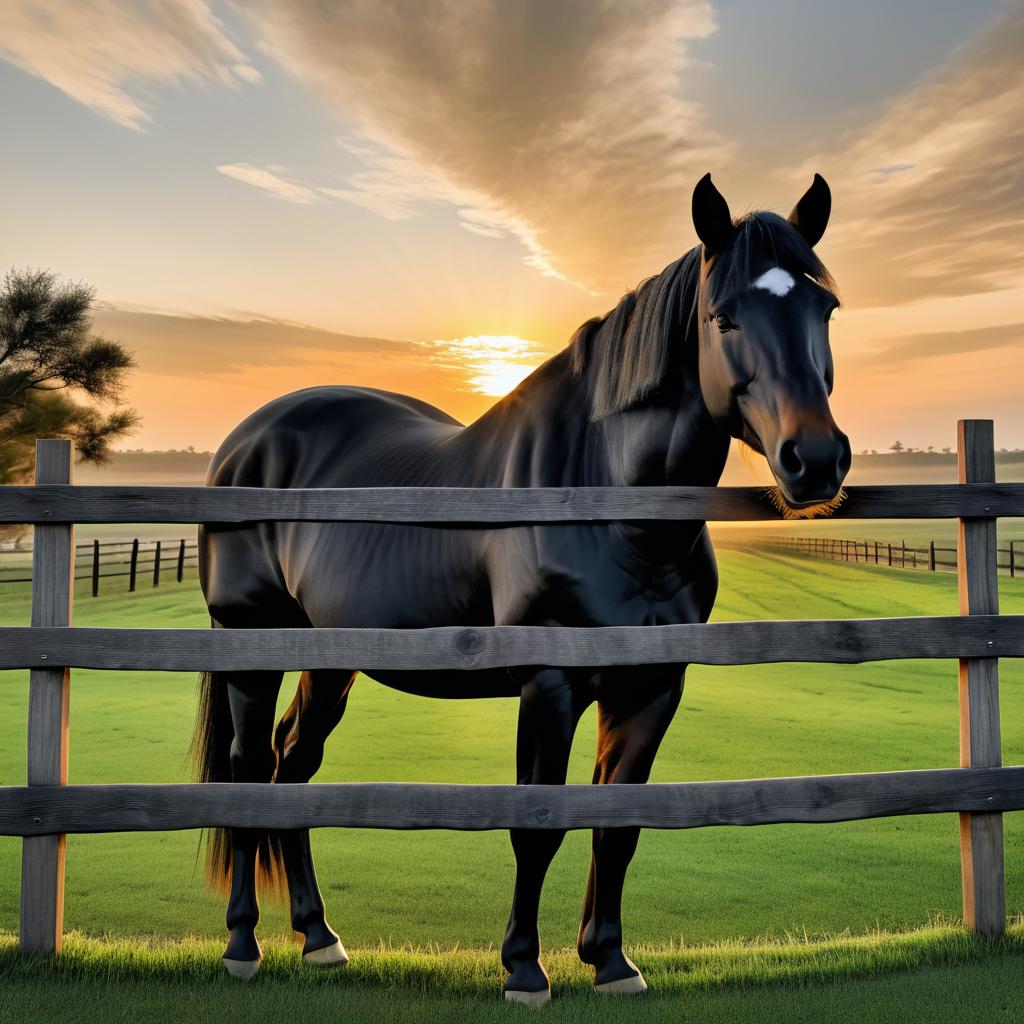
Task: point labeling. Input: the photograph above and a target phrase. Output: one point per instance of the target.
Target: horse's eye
(725, 324)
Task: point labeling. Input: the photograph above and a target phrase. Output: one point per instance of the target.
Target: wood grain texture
(981, 835)
(481, 505)
(42, 859)
(399, 805)
(839, 641)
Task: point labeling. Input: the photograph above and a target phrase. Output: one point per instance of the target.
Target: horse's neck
(542, 435)
(655, 445)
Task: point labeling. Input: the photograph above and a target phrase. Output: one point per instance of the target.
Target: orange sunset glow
(256, 218)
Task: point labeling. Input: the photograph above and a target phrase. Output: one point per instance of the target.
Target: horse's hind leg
(252, 697)
(630, 730)
(317, 708)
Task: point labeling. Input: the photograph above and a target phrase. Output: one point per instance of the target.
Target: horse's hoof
(627, 986)
(539, 998)
(242, 969)
(330, 956)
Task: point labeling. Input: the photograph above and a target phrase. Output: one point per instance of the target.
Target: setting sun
(492, 364)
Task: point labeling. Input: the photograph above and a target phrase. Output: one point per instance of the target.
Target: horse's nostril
(789, 459)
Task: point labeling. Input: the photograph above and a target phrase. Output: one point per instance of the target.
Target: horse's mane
(625, 355)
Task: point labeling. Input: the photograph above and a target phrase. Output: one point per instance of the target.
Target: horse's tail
(210, 753)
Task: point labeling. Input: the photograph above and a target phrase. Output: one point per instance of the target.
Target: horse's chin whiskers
(822, 510)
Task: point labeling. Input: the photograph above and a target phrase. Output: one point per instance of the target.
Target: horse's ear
(810, 215)
(711, 217)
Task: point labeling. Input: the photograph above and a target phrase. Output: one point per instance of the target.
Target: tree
(896, 446)
(56, 375)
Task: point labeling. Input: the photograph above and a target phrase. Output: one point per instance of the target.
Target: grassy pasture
(451, 891)
(453, 888)
(915, 532)
(936, 973)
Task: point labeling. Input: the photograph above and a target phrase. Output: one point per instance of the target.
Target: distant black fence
(141, 561)
(932, 556)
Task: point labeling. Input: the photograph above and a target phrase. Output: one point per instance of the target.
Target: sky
(429, 197)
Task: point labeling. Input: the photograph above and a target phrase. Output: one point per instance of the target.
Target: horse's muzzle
(810, 465)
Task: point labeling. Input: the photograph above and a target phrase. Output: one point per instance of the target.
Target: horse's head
(765, 363)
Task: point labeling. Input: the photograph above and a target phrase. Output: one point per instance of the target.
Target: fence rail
(47, 808)
(835, 641)
(134, 559)
(931, 556)
(481, 506)
(30, 810)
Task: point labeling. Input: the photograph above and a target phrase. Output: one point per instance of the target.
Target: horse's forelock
(761, 241)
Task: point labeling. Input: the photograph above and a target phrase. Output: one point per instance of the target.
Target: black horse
(731, 340)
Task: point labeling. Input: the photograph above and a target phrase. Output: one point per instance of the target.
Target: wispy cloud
(562, 125)
(930, 196)
(176, 344)
(250, 359)
(105, 53)
(269, 181)
(897, 352)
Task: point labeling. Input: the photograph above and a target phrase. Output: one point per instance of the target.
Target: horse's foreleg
(252, 697)
(548, 714)
(317, 708)
(629, 734)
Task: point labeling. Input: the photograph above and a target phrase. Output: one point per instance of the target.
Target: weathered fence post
(53, 572)
(1013, 567)
(931, 555)
(133, 564)
(156, 565)
(981, 835)
(95, 568)
(181, 559)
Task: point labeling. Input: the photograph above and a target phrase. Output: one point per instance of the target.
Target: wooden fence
(931, 556)
(147, 561)
(45, 810)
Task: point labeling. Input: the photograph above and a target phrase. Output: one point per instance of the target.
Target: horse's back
(259, 573)
(333, 436)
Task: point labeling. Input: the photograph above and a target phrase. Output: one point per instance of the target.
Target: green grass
(454, 888)
(703, 908)
(930, 974)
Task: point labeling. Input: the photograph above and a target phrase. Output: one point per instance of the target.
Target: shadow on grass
(463, 972)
